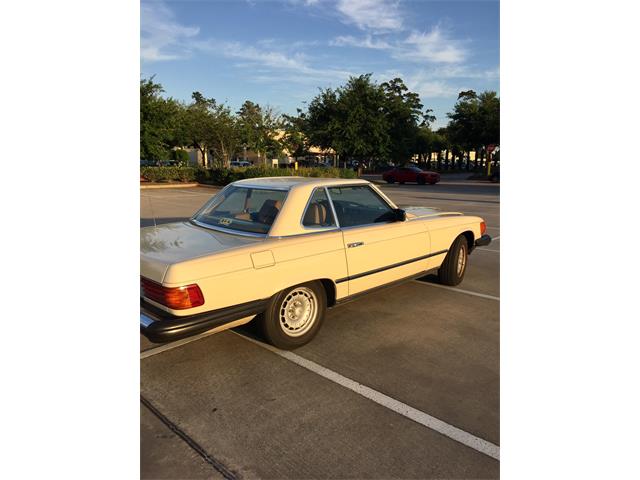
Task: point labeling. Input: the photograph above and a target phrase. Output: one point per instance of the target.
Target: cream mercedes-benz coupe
(286, 249)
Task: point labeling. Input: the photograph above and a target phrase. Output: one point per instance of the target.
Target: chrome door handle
(355, 244)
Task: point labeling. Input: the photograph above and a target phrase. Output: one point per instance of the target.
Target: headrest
(269, 210)
(316, 214)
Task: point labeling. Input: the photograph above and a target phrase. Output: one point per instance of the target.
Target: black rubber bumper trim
(166, 327)
(388, 267)
(483, 241)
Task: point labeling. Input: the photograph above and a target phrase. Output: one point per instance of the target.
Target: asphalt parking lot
(401, 383)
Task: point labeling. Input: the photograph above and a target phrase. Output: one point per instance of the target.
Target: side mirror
(400, 215)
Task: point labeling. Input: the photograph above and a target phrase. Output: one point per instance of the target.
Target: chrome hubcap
(298, 311)
(462, 261)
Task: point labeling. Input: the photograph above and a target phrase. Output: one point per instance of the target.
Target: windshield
(244, 209)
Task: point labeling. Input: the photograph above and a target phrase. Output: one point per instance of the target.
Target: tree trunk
(203, 152)
(468, 159)
(429, 160)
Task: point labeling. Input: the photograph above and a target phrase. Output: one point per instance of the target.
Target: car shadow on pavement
(430, 278)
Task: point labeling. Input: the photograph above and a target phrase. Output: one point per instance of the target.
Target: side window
(318, 212)
(359, 205)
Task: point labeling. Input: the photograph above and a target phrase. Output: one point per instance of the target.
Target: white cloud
(435, 46)
(424, 84)
(466, 71)
(279, 66)
(366, 42)
(436, 89)
(307, 3)
(161, 36)
(273, 59)
(164, 38)
(378, 15)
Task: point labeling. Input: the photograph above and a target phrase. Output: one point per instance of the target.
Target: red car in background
(411, 174)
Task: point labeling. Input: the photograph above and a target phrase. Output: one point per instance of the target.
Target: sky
(280, 53)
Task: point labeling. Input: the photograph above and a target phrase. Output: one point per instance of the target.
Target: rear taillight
(176, 298)
(483, 228)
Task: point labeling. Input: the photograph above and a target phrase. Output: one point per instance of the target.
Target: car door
(402, 175)
(410, 175)
(379, 249)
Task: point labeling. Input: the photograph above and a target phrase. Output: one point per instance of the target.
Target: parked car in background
(159, 163)
(411, 174)
(286, 249)
(385, 168)
(240, 163)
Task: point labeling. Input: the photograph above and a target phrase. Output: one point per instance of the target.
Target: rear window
(243, 209)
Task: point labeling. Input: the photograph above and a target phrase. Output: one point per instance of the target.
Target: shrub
(169, 174)
(180, 156)
(222, 176)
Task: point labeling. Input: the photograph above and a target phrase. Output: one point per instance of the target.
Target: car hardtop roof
(287, 183)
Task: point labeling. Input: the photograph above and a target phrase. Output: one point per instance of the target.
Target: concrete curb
(144, 186)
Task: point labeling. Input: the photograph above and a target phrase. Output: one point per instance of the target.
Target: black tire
(390, 180)
(284, 335)
(421, 181)
(449, 272)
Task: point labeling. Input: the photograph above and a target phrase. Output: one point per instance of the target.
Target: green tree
(197, 125)
(475, 121)
(322, 122)
(294, 139)
(489, 112)
(403, 110)
(364, 130)
(225, 139)
(351, 120)
(425, 144)
(365, 120)
(211, 128)
(259, 129)
(159, 119)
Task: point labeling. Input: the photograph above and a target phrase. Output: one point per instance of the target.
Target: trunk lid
(165, 245)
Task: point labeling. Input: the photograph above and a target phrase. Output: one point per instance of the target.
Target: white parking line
(465, 438)
(170, 346)
(459, 290)
(487, 250)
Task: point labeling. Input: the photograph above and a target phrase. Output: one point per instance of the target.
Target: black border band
(388, 267)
